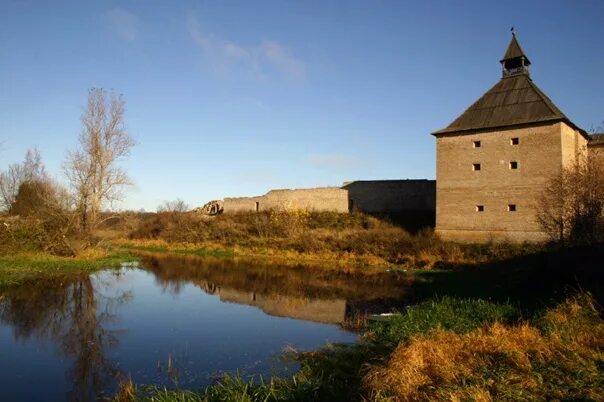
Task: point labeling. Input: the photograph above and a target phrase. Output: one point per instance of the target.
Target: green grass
(16, 268)
(449, 313)
(230, 389)
(202, 252)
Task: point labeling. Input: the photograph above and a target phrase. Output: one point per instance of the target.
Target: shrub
(41, 221)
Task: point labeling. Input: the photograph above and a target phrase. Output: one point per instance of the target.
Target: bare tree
(92, 169)
(554, 212)
(177, 205)
(571, 208)
(31, 169)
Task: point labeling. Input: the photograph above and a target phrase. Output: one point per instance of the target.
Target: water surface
(175, 322)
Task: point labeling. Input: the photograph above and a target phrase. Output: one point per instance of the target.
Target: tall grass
(200, 252)
(336, 236)
(559, 357)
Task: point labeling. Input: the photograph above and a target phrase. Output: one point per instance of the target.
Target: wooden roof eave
(479, 130)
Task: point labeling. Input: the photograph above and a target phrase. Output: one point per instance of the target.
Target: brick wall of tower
(539, 154)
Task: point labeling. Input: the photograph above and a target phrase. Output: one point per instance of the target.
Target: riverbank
(274, 255)
(443, 349)
(21, 266)
(302, 236)
(528, 327)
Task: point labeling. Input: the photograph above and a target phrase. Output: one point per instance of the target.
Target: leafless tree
(31, 169)
(571, 208)
(177, 205)
(92, 169)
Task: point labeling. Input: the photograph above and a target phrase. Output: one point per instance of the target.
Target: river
(176, 322)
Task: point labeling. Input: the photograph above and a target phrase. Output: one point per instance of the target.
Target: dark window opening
(479, 208)
(475, 166)
(513, 165)
(515, 141)
(476, 144)
(511, 207)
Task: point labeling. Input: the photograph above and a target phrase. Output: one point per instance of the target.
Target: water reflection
(174, 319)
(73, 312)
(302, 292)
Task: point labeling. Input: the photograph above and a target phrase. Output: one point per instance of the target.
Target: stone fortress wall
(540, 153)
(313, 199)
(375, 196)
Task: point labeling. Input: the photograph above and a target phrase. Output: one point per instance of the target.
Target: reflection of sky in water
(142, 327)
(204, 335)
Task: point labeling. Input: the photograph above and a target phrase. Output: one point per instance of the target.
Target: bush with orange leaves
(559, 358)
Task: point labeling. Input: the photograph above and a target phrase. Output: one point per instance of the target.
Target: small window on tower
(475, 166)
(513, 165)
(479, 208)
(476, 144)
(515, 141)
(511, 207)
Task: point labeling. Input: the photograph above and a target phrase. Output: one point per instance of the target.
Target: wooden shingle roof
(514, 100)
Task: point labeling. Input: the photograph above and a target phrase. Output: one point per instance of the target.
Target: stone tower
(495, 158)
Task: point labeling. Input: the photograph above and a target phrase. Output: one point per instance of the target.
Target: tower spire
(514, 60)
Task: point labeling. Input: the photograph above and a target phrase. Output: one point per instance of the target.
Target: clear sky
(233, 98)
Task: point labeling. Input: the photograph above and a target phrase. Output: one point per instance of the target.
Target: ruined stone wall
(461, 190)
(312, 199)
(379, 196)
(391, 196)
(241, 204)
(319, 199)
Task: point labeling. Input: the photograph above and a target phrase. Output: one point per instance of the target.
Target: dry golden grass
(500, 362)
(298, 235)
(126, 390)
(325, 258)
(87, 255)
(356, 322)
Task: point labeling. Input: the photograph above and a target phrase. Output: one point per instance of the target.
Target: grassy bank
(520, 328)
(270, 253)
(21, 266)
(356, 239)
(31, 246)
(167, 248)
(444, 349)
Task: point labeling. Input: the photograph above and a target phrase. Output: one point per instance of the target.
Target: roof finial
(514, 60)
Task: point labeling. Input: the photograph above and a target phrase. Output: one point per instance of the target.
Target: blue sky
(233, 98)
